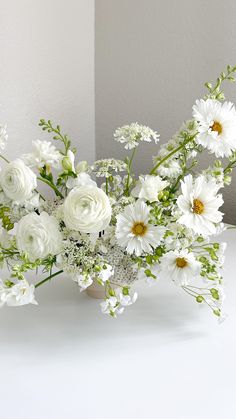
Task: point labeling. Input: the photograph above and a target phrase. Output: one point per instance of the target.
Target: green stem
(129, 170)
(106, 186)
(4, 158)
(230, 166)
(48, 278)
(153, 171)
(57, 192)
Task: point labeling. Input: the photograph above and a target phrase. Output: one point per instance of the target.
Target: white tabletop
(166, 357)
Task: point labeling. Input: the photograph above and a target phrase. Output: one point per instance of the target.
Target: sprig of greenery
(47, 126)
(215, 91)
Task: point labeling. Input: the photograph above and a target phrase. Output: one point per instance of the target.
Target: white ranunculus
(18, 181)
(38, 236)
(87, 209)
(81, 179)
(148, 187)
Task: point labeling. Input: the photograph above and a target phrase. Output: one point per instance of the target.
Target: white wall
(47, 70)
(152, 59)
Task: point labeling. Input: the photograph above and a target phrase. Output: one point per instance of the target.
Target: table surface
(166, 357)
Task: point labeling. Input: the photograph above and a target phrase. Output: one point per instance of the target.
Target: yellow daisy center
(198, 206)
(139, 229)
(216, 126)
(181, 262)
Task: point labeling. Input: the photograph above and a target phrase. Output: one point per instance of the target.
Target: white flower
(44, 153)
(87, 209)
(149, 279)
(170, 168)
(82, 179)
(19, 294)
(3, 136)
(217, 126)
(127, 300)
(82, 166)
(106, 274)
(18, 181)
(148, 187)
(84, 281)
(179, 266)
(133, 231)
(38, 236)
(111, 306)
(132, 134)
(199, 204)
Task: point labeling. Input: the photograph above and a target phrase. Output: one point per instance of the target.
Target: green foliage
(5, 217)
(58, 136)
(215, 91)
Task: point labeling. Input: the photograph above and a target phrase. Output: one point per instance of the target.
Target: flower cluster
(158, 225)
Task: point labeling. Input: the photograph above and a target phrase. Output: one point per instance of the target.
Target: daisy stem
(4, 158)
(48, 278)
(153, 171)
(57, 192)
(128, 172)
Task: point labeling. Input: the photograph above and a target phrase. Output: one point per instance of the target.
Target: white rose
(148, 187)
(18, 181)
(87, 209)
(81, 180)
(38, 236)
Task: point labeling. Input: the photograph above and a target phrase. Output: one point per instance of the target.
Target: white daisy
(199, 204)
(148, 187)
(131, 135)
(180, 266)
(216, 126)
(133, 231)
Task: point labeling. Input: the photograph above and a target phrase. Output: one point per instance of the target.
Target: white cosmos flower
(3, 137)
(87, 209)
(133, 231)
(216, 126)
(38, 236)
(148, 187)
(20, 294)
(18, 181)
(82, 179)
(44, 153)
(131, 135)
(179, 266)
(199, 204)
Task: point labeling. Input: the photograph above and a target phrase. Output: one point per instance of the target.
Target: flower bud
(68, 162)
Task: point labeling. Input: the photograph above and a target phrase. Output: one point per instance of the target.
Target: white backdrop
(152, 59)
(47, 70)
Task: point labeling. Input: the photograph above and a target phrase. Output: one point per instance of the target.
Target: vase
(96, 291)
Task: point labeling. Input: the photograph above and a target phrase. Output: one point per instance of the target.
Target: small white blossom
(82, 179)
(19, 294)
(43, 154)
(84, 281)
(131, 135)
(148, 187)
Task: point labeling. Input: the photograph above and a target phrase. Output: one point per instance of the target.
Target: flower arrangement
(105, 226)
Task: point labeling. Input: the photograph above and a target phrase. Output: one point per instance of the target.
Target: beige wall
(152, 59)
(47, 70)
